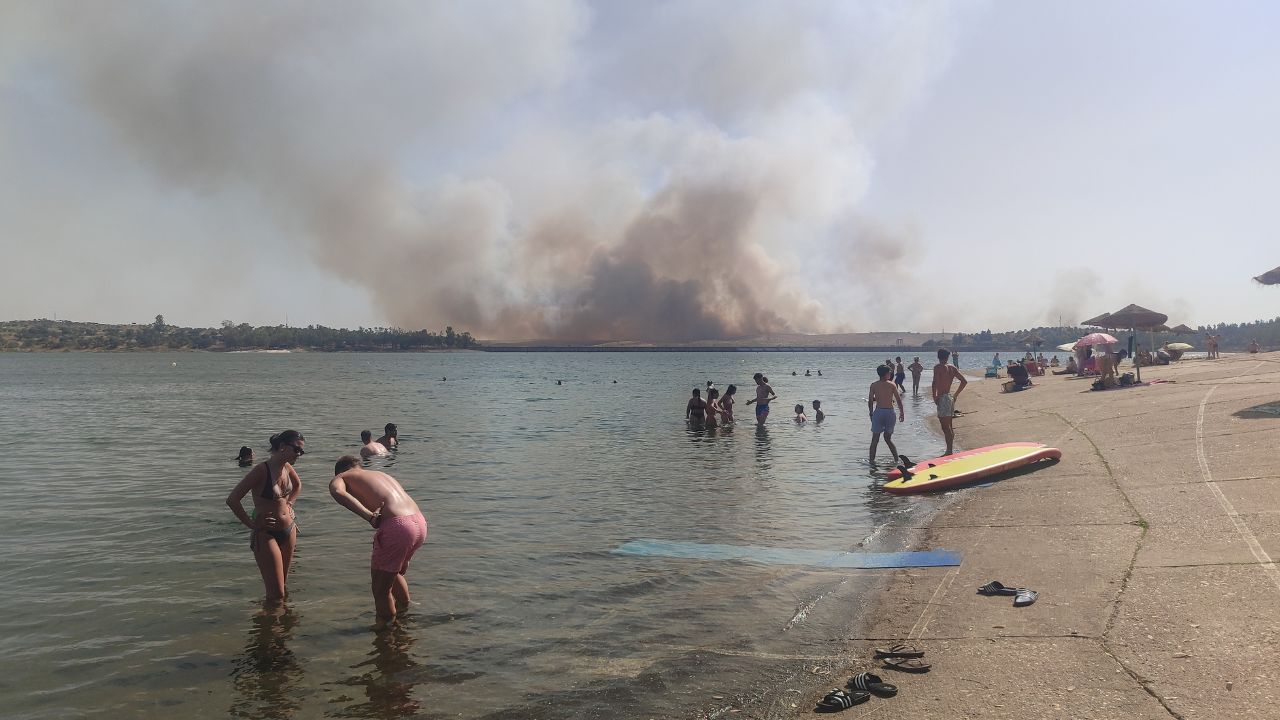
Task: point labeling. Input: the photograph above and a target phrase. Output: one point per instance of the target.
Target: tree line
(1233, 337)
(46, 334)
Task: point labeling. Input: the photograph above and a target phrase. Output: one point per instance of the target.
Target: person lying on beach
(818, 415)
(764, 394)
(390, 436)
(400, 525)
(800, 414)
(696, 408)
(881, 399)
(371, 447)
(274, 486)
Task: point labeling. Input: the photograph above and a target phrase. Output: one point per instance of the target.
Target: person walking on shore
(943, 375)
(916, 368)
(274, 486)
(764, 394)
(881, 399)
(401, 530)
(899, 374)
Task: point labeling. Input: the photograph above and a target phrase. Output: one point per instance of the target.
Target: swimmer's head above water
(246, 456)
(366, 437)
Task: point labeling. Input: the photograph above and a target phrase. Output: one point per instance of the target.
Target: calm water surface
(130, 590)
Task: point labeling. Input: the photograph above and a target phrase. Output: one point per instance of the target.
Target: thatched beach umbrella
(1136, 317)
(1270, 277)
(1182, 330)
(1033, 339)
(1100, 321)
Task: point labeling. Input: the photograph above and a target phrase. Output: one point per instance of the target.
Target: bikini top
(269, 490)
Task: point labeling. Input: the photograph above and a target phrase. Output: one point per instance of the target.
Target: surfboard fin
(906, 474)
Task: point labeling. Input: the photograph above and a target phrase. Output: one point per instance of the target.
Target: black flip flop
(995, 587)
(899, 651)
(838, 700)
(872, 684)
(911, 665)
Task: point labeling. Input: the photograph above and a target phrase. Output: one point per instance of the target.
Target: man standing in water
(764, 394)
(943, 375)
(881, 399)
(401, 529)
(916, 368)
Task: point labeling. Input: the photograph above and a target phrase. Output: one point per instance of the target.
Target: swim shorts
(762, 409)
(946, 406)
(883, 420)
(396, 540)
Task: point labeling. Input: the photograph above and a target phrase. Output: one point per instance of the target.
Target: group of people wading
(379, 499)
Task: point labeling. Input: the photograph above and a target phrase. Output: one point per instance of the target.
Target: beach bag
(1126, 379)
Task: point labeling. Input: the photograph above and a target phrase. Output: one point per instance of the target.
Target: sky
(664, 171)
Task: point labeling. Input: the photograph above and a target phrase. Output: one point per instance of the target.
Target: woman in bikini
(274, 486)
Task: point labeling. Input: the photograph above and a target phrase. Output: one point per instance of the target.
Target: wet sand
(1151, 544)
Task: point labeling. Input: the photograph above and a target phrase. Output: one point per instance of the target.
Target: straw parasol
(1182, 330)
(1136, 317)
(1099, 321)
(1033, 339)
(1270, 277)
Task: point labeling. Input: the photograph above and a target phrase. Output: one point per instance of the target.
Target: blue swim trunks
(761, 409)
(883, 420)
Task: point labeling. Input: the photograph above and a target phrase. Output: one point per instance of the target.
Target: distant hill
(67, 336)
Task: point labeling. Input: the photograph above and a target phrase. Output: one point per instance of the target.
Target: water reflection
(267, 676)
(387, 675)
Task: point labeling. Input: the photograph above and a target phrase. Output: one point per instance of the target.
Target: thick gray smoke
(637, 171)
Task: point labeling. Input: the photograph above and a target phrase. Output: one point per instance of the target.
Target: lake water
(129, 589)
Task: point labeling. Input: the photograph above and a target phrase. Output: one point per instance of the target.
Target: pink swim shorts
(396, 540)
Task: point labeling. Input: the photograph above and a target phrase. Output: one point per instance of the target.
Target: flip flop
(1025, 597)
(838, 700)
(911, 665)
(995, 587)
(900, 650)
(872, 684)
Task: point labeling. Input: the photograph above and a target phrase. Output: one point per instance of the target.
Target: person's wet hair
(817, 404)
(390, 429)
(883, 371)
(697, 392)
(345, 463)
(799, 409)
(288, 437)
(757, 376)
(712, 394)
(365, 436)
(731, 390)
(943, 354)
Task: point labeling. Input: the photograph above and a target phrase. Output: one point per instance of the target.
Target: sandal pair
(903, 658)
(1022, 597)
(838, 700)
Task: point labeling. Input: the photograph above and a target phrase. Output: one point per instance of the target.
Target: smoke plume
(538, 169)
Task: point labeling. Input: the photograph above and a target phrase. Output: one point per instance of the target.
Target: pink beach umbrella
(1098, 338)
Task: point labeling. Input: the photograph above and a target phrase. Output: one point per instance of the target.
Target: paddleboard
(981, 463)
(924, 465)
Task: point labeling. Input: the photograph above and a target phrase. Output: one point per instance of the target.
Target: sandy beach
(1151, 544)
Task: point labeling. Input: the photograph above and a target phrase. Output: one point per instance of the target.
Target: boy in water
(817, 411)
(916, 368)
(764, 394)
(800, 414)
(696, 409)
(943, 376)
(390, 436)
(401, 530)
(881, 399)
(371, 447)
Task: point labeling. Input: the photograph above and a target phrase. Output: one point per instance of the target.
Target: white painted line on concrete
(926, 615)
(1264, 560)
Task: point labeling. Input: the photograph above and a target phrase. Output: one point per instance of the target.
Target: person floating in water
(943, 375)
(764, 394)
(800, 414)
(817, 411)
(400, 525)
(807, 374)
(371, 447)
(245, 458)
(819, 373)
(696, 409)
(881, 399)
(390, 436)
(274, 486)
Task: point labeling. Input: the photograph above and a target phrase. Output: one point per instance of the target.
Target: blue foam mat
(786, 556)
